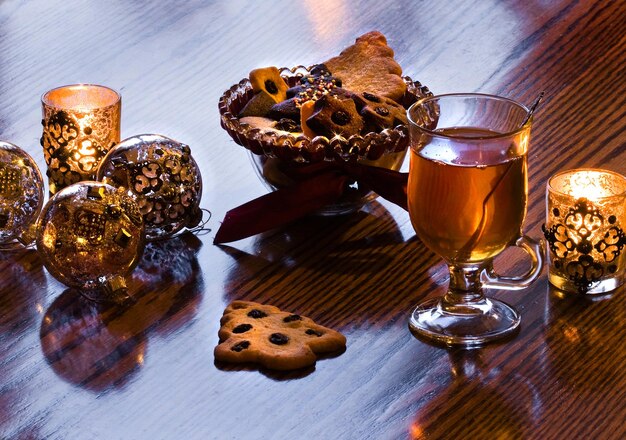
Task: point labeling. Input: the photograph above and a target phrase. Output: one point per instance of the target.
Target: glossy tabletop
(71, 369)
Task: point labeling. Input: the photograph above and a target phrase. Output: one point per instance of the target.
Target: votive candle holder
(81, 123)
(585, 230)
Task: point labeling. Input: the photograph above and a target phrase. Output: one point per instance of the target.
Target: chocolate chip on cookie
(242, 328)
(239, 346)
(279, 339)
(291, 318)
(256, 314)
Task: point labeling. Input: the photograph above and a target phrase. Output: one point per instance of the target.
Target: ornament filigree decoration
(165, 178)
(582, 246)
(72, 148)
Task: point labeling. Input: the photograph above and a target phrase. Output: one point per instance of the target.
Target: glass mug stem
(465, 294)
(464, 308)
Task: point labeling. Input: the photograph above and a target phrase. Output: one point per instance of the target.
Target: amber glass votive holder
(81, 123)
(586, 230)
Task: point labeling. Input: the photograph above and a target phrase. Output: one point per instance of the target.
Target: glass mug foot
(467, 325)
(464, 316)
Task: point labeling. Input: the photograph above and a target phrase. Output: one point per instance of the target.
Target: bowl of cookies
(350, 108)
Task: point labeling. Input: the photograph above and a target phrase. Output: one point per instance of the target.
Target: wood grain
(71, 369)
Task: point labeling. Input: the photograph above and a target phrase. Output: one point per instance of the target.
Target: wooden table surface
(71, 369)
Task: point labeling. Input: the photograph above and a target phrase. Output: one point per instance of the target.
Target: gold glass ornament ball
(90, 235)
(21, 196)
(165, 178)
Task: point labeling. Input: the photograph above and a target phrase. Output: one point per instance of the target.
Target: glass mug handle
(534, 249)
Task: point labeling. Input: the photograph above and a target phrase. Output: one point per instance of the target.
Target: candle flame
(589, 184)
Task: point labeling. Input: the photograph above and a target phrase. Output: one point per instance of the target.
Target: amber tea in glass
(440, 186)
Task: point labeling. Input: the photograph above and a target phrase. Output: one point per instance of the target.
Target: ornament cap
(116, 289)
(29, 235)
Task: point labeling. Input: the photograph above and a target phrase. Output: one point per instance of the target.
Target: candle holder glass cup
(81, 123)
(585, 230)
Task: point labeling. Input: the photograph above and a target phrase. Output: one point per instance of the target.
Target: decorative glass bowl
(271, 151)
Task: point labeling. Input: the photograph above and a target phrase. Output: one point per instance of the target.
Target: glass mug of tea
(467, 196)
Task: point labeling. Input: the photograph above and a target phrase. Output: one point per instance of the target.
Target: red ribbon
(317, 185)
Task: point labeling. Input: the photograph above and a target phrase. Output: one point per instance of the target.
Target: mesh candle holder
(81, 123)
(585, 230)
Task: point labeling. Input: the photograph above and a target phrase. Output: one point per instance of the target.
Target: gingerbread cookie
(264, 334)
(306, 111)
(283, 126)
(258, 122)
(259, 105)
(335, 115)
(289, 108)
(368, 66)
(268, 80)
(379, 112)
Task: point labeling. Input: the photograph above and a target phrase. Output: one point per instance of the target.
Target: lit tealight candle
(81, 123)
(585, 223)
(588, 184)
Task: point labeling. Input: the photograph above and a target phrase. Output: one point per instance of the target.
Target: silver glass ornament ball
(21, 197)
(165, 178)
(90, 236)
